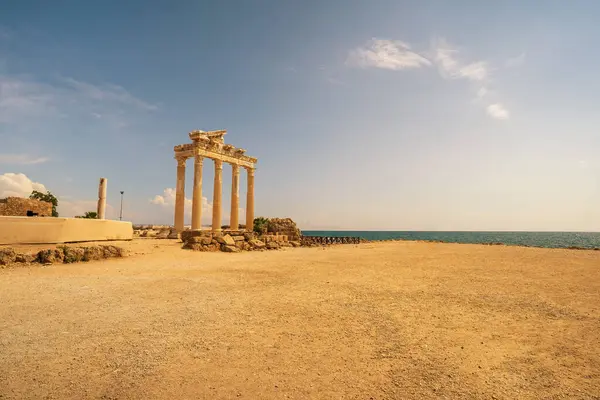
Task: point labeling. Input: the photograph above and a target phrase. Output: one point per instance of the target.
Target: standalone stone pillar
(101, 199)
(180, 195)
(197, 194)
(235, 197)
(216, 218)
(250, 201)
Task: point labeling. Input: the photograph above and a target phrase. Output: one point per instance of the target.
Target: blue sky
(428, 115)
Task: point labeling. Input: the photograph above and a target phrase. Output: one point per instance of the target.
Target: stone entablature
(212, 145)
(21, 207)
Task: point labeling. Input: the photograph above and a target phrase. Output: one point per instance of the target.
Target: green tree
(90, 215)
(47, 197)
(260, 224)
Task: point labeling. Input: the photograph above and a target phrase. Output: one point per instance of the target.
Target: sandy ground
(400, 320)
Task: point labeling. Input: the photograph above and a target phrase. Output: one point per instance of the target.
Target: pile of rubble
(233, 241)
(59, 255)
(155, 231)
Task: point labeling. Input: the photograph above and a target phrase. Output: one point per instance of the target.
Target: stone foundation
(233, 241)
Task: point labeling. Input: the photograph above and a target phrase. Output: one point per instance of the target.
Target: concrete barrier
(36, 230)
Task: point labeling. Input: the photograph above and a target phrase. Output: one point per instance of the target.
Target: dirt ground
(399, 320)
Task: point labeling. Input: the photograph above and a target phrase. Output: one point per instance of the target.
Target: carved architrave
(211, 145)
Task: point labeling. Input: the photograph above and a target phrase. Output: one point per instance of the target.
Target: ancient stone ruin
(212, 145)
(20, 207)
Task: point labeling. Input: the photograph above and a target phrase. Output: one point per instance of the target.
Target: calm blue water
(536, 239)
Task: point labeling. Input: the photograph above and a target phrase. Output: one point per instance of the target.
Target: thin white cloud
(451, 66)
(515, 61)
(109, 93)
(21, 159)
(25, 101)
(18, 185)
(386, 54)
(497, 111)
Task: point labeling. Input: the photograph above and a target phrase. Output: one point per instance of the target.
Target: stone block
(92, 253)
(272, 245)
(257, 243)
(111, 251)
(249, 236)
(295, 243)
(212, 247)
(238, 238)
(25, 258)
(51, 256)
(229, 249)
(7, 256)
(185, 235)
(163, 234)
(193, 246)
(73, 254)
(226, 240)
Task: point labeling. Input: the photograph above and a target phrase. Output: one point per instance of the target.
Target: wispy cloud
(26, 100)
(497, 111)
(515, 61)
(21, 159)
(109, 93)
(386, 54)
(451, 66)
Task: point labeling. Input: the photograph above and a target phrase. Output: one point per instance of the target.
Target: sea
(586, 240)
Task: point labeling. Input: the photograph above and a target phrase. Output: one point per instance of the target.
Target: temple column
(180, 194)
(250, 201)
(100, 212)
(197, 194)
(235, 197)
(216, 218)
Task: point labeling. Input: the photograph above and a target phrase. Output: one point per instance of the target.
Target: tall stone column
(216, 219)
(235, 197)
(180, 195)
(250, 201)
(197, 194)
(100, 211)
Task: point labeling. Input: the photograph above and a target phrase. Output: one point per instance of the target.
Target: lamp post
(121, 213)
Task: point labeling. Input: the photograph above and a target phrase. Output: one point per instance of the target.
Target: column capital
(235, 168)
(180, 161)
(198, 159)
(218, 164)
(250, 170)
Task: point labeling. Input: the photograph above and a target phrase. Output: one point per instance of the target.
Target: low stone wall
(26, 230)
(233, 241)
(59, 255)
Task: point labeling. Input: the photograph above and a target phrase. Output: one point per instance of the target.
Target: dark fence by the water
(308, 240)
